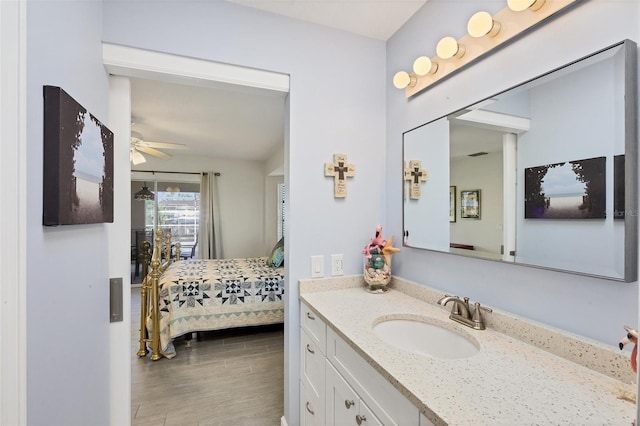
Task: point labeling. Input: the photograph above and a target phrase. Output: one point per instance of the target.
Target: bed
(197, 295)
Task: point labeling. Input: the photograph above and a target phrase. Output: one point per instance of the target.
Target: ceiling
(378, 19)
(240, 123)
(229, 122)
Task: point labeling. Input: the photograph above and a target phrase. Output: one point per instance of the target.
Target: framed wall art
(78, 163)
(470, 204)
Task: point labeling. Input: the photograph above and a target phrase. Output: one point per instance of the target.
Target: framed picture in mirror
(470, 204)
(452, 204)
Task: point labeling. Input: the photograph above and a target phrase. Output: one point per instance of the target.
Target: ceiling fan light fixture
(135, 157)
(144, 194)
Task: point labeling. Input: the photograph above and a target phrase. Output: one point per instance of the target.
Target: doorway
(123, 63)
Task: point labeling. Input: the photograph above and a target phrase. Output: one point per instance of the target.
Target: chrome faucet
(461, 312)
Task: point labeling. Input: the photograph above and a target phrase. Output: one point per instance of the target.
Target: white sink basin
(425, 336)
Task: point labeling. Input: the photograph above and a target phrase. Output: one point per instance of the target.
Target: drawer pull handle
(311, 317)
(360, 419)
(310, 410)
(348, 403)
(310, 350)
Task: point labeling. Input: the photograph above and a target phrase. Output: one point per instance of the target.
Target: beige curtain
(209, 229)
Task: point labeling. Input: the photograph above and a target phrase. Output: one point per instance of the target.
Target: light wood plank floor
(228, 378)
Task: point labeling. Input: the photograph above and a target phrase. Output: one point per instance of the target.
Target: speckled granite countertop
(508, 382)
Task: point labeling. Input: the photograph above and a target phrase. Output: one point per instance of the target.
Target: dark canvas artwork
(569, 190)
(78, 163)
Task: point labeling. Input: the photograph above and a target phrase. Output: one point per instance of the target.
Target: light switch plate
(336, 265)
(317, 266)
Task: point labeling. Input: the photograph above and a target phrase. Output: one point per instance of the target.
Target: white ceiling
(242, 123)
(228, 122)
(378, 19)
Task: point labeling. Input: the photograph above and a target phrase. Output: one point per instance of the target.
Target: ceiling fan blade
(161, 145)
(154, 152)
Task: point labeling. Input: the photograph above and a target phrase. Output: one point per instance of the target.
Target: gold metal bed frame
(150, 286)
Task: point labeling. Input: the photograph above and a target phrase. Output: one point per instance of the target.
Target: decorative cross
(340, 171)
(415, 174)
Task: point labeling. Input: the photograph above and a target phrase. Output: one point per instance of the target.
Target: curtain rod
(180, 173)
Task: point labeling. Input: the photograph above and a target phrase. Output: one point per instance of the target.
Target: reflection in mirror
(573, 133)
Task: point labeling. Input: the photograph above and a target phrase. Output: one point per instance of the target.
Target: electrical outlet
(336, 265)
(317, 266)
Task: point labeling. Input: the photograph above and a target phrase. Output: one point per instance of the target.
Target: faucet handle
(478, 321)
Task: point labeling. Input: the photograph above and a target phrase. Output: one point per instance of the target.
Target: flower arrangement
(377, 262)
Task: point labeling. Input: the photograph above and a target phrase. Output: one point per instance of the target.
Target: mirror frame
(630, 233)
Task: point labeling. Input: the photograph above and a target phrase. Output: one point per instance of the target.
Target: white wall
(483, 173)
(330, 111)
(591, 307)
(241, 196)
(274, 171)
(67, 266)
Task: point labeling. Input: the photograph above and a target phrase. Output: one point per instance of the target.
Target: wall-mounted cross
(340, 171)
(415, 174)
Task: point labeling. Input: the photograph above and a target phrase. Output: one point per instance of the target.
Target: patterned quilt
(213, 294)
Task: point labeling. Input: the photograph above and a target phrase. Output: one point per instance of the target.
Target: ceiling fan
(139, 146)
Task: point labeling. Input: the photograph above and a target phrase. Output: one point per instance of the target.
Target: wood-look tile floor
(227, 378)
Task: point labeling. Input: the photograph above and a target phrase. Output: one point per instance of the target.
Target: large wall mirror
(543, 174)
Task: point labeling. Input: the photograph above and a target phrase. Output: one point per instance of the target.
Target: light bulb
(520, 5)
(423, 66)
(403, 79)
(481, 24)
(448, 47)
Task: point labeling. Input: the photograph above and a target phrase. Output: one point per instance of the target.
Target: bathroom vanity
(520, 373)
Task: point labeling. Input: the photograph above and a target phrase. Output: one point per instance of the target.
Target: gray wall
(590, 307)
(67, 278)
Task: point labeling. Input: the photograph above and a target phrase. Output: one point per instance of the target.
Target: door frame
(13, 228)
(122, 63)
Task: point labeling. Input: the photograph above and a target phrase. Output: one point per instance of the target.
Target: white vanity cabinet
(338, 387)
(312, 368)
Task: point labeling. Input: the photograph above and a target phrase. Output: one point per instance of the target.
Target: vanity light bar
(484, 33)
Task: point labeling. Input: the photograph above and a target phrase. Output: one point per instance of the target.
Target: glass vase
(377, 273)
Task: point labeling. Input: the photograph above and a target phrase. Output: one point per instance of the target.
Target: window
(177, 212)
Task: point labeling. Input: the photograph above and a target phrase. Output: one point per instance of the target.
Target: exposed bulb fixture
(485, 32)
(520, 5)
(403, 79)
(144, 194)
(482, 24)
(423, 66)
(172, 188)
(448, 47)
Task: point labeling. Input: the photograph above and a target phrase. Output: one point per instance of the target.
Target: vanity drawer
(314, 326)
(311, 408)
(312, 365)
(388, 404)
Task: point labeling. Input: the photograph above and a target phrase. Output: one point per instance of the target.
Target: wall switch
(317, 266)
(336, 265)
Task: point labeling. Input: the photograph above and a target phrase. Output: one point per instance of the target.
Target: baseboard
(283, 421)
